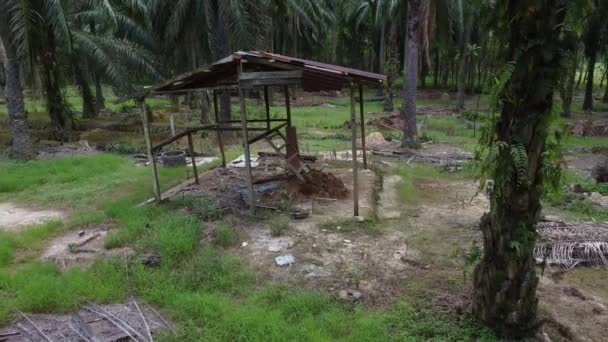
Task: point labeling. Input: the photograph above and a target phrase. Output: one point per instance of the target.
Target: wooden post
(267, 103)
(353, 119)
(246, 147)
(172, 123)
(362, 126)
(191, 149)
(287, 105)
(219, 126)
(146, 125)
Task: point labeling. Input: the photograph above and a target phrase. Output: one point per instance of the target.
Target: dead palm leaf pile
(569, 245)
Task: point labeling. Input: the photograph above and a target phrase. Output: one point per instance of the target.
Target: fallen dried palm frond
(569, 245)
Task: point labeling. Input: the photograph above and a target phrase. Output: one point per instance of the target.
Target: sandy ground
(14, 216)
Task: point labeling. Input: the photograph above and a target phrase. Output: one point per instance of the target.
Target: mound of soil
(323, 185)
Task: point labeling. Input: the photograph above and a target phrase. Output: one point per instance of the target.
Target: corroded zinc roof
(316, 76)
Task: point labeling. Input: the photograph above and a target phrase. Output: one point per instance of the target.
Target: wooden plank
(265, 134)
(362, 126)
(181, 135)
(353, 119)
(269, 82)
(146, 125)
(270, 75)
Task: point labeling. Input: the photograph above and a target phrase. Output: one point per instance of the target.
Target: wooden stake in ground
(146, 125)
(353, 122)
(362, 123)
(246, 146)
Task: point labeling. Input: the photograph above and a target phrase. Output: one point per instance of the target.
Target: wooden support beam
(146, 125)
(362, 126)
(353, 119)
(267, 133)
(181, 135)
(287, 105)
(172, 123)
(267, 103)
(246, 147)
(219, 132)
(191, 150)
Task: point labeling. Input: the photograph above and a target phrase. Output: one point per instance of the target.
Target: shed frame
(243, 71)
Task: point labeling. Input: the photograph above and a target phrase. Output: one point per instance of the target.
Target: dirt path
(389, 198)
(14, 216)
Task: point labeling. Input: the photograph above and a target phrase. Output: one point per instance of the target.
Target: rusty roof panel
(316, 76)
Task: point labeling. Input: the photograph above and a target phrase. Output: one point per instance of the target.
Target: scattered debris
(600, 172)
(150, 260)
(599, 199)
(298, 214)
(65, 150)
(81, 247)
(589, 128)
(574, 292)
(240, 161)
(14, 217)
(570, 245)
(350, 295)
(108, 323)
(285, 260)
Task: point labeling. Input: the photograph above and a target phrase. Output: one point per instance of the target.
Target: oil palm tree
(50, 31)
(110, 40)
(21, 146)
(505, 279)
(593, 38)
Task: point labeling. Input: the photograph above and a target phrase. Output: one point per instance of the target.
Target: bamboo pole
(146, 125)
(353, 119)
(219, 125)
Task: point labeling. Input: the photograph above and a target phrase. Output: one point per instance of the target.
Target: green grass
(208, 292)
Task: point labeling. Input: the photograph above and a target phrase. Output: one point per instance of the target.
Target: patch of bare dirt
(104, 323)
(578, 312)
(81, 247)
(351, 264)
(14, 217)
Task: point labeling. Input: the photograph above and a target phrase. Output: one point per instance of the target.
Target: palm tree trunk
(220, 47)
(54, 98)
(436, 72)
(88, 102)
(408, 112)
(462, 63)
(505, 279)
(381, 58)
(21, 147)
(588, 101)
(100, 101)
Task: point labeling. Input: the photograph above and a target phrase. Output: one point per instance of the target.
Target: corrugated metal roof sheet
(316, 76)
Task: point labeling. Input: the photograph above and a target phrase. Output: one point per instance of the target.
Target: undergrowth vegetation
(207, 291)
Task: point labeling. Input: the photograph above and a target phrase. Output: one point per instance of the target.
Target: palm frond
(178, 19)
(54, 15)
